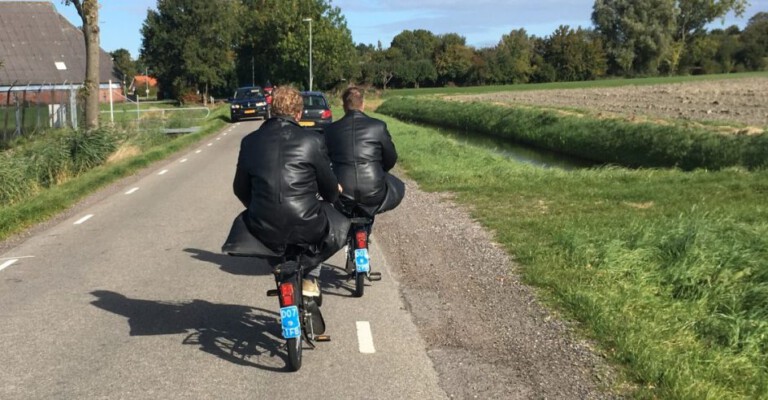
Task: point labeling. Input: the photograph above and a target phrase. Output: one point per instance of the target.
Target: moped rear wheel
(359, 284)
(294, 346)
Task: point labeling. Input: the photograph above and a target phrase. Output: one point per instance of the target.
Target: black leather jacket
(281, 169)
(362, 151)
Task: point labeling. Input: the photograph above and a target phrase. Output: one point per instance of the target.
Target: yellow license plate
(249, 112)
(307, 123)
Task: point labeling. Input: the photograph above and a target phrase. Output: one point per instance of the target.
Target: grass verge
(55, 199)
(613, 141)
(667, 270)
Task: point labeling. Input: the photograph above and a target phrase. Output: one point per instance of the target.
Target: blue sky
(482, 22)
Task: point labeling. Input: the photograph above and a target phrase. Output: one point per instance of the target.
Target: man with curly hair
(284, 178)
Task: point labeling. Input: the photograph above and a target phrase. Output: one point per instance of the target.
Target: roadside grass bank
(666, 270)
(612, 141)
(602, 83)
(45, 175)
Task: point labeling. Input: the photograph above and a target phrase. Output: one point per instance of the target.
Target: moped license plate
(362, 261)
(289, 319)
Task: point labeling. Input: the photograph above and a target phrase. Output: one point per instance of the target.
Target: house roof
(39, 46)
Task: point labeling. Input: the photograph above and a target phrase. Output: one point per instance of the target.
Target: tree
(576, 55)
(692, 18)
(418, 49)
(275, 43)
(637, 33)
(89, 13)
(124, 65)
(189, 44)
(513, 58)
(453, 59)
(754, 41)
(415, 45)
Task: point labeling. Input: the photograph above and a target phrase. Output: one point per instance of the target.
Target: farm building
(43, 59)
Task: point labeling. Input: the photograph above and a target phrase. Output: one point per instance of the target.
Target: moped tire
(359, 284)
(294, 346)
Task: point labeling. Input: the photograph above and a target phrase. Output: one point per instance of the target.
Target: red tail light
(326, 114)
(286, 294)
(361, 237)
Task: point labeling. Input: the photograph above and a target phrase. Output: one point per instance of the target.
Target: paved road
(131, 298)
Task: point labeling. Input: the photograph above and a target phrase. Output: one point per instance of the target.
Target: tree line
(212, 46)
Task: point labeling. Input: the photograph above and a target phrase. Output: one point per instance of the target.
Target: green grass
(569, 85)
(615, 141)
(34, 203)
(667, 270)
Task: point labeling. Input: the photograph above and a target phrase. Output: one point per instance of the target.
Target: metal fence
(26, 109)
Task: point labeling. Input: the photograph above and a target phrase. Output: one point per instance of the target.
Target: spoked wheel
(294, 346)
(359, 284)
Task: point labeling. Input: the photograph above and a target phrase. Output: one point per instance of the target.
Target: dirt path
(487, 335)
(743, 100)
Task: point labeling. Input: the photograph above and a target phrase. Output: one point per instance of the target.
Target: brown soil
(742, 101)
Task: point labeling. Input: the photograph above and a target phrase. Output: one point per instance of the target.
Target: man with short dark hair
(281, 169)
(362, 153)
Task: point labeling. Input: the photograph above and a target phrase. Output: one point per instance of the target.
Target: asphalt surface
(127, 296)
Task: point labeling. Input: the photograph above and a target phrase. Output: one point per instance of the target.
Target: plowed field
(741, 101)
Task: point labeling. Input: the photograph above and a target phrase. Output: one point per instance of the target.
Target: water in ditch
(518, 152)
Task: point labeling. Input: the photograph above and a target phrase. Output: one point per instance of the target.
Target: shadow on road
(233, 265)
(335, 281)
(242, 335)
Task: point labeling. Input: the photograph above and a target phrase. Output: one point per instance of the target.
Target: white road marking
(210, 144)
(183, 161)
(163, 172)
(226, 133)
(132, 191)
(15, 258)
(7, 264)
(218, 138)
(81, 220)
(198, 152)
(365, 337)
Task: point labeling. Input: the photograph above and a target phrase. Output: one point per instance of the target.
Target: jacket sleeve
(388, 150)
(327, 184)
(242, 186)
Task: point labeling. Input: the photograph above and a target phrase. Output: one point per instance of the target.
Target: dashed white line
(225, 133)
(81, 220)
(7, 264)
(183, 161)
(163, 172)
(218, 138)
(132, 191)
(198, 152)
(365, 337)
(210, 144)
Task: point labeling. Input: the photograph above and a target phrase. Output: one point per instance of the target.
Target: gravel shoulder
(486, 333)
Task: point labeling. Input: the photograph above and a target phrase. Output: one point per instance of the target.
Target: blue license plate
(289, 319)
(362, 261)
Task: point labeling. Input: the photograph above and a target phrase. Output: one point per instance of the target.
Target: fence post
(7, 105)
(17, 131)
(111, 105)
(37, 106)
(73, 106)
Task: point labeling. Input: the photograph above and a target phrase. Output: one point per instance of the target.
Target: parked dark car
(248, 102)
(317, 112)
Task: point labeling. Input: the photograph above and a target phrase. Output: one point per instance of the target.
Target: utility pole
(310, 51)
